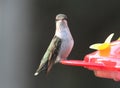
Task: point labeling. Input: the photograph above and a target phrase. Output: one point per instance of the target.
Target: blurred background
(27, 27)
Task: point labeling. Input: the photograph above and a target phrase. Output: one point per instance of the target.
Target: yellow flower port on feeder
(103, 48)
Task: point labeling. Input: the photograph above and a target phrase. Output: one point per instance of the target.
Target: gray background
(27, 27)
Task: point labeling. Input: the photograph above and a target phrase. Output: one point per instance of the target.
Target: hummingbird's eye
(60, 19)
(57, 19)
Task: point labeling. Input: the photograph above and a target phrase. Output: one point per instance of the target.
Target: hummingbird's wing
(50, 55)
(54, 50)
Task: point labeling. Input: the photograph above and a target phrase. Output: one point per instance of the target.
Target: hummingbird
(60, 46)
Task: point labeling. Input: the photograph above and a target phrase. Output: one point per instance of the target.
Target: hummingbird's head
(61, 22)
(61, 17)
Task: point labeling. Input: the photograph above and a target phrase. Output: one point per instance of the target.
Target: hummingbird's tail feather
(50, 64)
(41, 68)
(38, 71)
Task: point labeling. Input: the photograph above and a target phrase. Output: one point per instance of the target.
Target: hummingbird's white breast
(63, 32)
